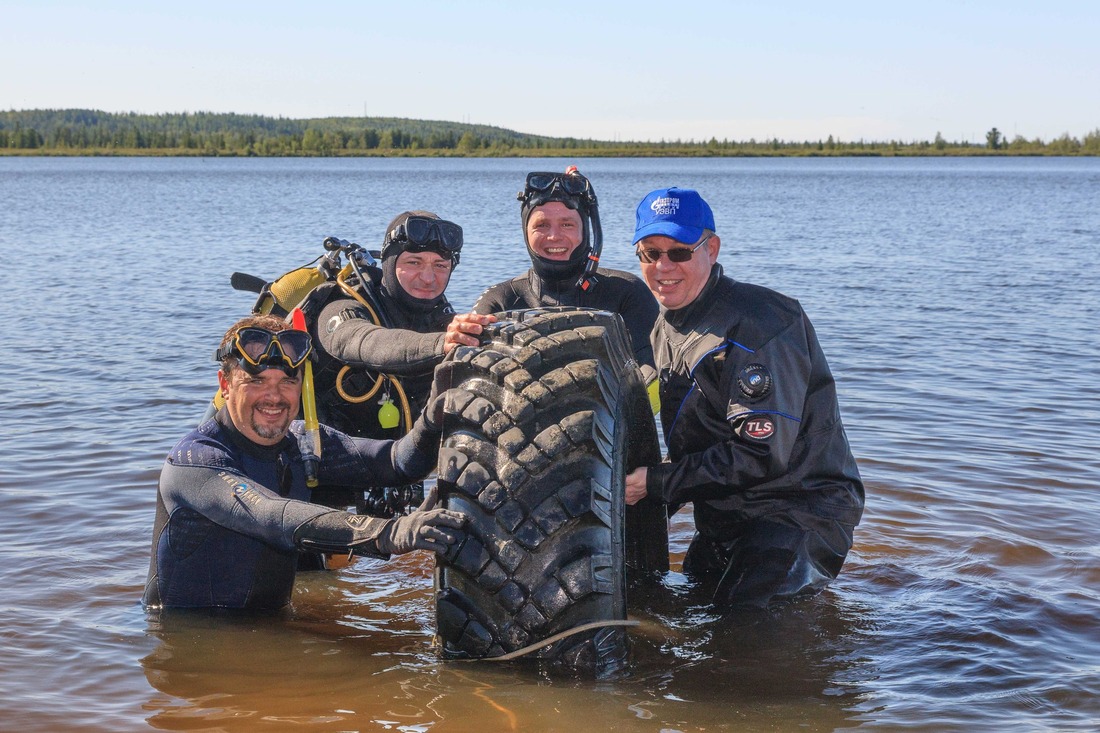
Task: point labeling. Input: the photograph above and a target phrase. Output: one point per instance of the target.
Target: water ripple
(961, 331)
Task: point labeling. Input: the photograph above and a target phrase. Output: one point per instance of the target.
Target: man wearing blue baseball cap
(750, 417)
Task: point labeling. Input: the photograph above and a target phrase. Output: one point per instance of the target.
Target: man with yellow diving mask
(233, 509)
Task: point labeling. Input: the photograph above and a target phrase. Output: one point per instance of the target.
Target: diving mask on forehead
(424, 234)
(542, 185)
(574, 191)
(260, 349)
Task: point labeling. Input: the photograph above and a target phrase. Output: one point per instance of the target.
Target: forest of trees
(92, 132)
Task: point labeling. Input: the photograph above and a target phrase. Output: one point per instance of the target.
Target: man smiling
(233, 509)
(561, 227)
(750, 417)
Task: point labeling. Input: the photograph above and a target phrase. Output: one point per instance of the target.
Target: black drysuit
(613, 290)
(755, 443)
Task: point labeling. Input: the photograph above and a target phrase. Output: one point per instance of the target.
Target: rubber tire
(535, 448)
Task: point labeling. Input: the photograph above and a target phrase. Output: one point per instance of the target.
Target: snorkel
(310, 442)
(588, 277)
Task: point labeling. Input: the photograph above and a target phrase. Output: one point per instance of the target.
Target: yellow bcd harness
(287, 292)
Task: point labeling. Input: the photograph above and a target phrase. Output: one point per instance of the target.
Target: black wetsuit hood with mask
(407, 344)
(392, 248)
(559, 274)
(575, 282)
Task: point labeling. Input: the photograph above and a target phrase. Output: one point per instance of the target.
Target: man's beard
(271, 431)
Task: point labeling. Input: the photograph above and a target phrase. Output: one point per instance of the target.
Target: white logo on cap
(666, 206)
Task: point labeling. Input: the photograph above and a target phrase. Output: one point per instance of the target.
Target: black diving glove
(435, 407)
(424, 435)
(340, 532)
(416, 452)
(421, 530)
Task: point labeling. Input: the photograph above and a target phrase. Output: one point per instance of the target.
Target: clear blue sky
(614, 70)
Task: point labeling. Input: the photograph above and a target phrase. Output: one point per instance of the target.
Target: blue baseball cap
(680, 213)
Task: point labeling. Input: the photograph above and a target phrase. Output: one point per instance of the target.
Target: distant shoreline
(94, 133)
(968, 152)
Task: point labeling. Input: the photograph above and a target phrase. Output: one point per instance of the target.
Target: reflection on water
(371, 665)
(955, 299)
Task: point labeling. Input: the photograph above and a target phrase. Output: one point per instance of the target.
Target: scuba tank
(290, 290)
(348, 267)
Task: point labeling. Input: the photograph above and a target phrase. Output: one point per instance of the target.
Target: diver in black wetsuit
(233, 509)
(418, 327)
(561, 227)
(751, 420)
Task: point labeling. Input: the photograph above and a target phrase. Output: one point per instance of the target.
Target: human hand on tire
(464, 329)
(635, 485)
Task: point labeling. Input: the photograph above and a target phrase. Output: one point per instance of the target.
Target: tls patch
(758, 427)
(754, 382)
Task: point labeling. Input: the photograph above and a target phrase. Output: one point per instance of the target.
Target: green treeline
(205, 133)
(92, 132)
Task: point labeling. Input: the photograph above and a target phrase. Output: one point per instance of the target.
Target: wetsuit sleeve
(371, 462)
(346, 333)
(493, 300)
(337, 531)
(236, 502)
(756, 426)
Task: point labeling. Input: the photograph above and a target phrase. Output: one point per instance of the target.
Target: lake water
(957, 301)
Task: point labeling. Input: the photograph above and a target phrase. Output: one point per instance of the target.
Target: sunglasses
(650, 255)
(423, 234)
(573, 184)
(256, 347)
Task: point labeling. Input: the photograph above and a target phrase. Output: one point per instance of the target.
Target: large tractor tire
(536, 443)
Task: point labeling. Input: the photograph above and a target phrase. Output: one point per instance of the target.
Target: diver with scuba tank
(561, 228)
(390, 319)
(380, 324)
